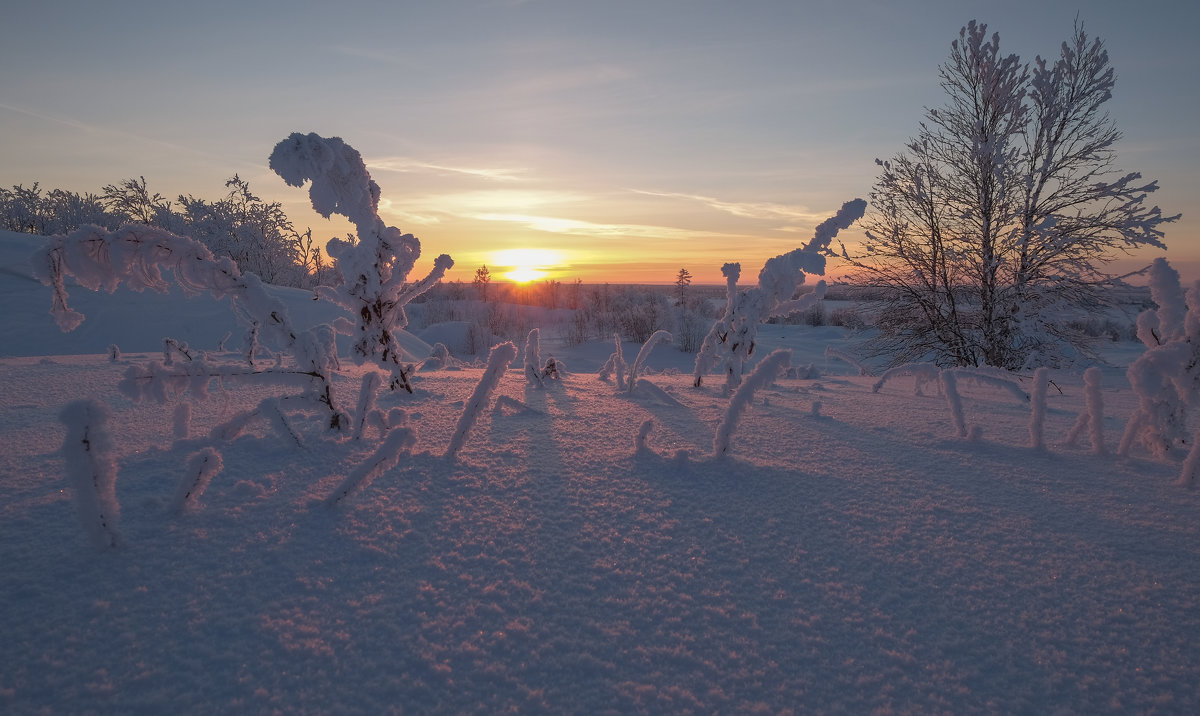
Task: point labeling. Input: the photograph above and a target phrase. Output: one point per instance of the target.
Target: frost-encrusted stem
(1094, 398)
(202, 467)
(923, 374)
(498, 361)
(533, 358)
(639, 363)
(366, 401)
(398, 442)
(92, 470)
(954, 401)
(1037, 405)
(615, 365)
(763, 375)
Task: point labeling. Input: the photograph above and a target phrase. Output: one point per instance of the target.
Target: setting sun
(525, 265)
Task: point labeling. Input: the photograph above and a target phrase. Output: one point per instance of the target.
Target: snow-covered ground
(850, 555)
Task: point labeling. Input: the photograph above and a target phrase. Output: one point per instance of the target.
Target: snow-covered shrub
(92, 470)
(498, 361)
(765, 373)
(730, 342)
(639, 363)
(114, 353)
(398, 442)
(201, 468)
(1166, 378)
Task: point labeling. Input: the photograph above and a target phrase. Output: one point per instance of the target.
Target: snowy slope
(135, 322)
(851, 555)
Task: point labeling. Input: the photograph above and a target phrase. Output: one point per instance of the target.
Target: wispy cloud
(577, 227)
(744, 209)
(409, 165)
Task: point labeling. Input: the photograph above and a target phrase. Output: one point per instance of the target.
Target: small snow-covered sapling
(639, 363)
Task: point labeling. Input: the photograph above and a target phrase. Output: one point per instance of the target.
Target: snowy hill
(852, 554)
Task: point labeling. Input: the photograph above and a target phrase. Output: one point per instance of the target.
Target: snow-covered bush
(92, 470)
(730, 342)
(1166, 378)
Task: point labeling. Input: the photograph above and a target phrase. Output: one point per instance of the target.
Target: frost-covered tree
(682, 281)
(375, 269)
(1002, 212)
(730, 342)
(482, 279)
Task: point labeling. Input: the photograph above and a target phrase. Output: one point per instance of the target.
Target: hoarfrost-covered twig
(923, 373)
(498, 361)
(398, 442)
(615, 365)
(201, 468)
(533, 358)
(1037, 408)
(831, 352)
(366, 401)
(639, 363)
(763, 375)
(954, 401)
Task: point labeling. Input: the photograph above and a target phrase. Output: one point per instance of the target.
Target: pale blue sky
(632, 137)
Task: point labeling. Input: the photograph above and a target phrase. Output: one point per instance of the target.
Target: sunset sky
(631, 138)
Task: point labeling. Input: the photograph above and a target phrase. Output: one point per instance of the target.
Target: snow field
(865, 558)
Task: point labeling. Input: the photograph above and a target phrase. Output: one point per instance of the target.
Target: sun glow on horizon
(525, 265)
